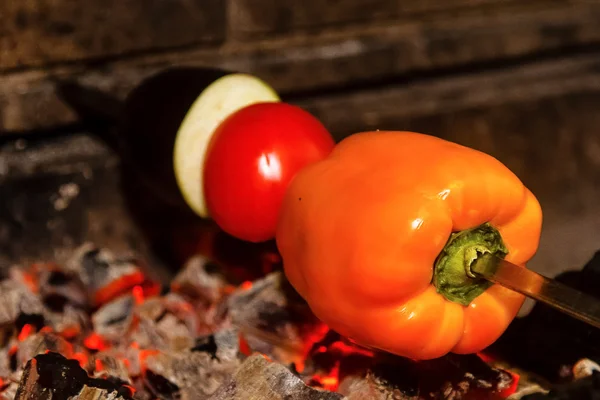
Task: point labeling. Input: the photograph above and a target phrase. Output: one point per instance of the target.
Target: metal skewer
(529, 283)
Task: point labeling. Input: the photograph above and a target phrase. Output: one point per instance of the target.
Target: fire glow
(140, 339)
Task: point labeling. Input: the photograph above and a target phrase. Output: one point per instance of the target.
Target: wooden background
(519, 80)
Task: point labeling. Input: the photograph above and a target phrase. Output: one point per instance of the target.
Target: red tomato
(252, 157)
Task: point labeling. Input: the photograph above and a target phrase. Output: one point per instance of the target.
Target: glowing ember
(68, 333)
(247, 285)
(117, 288)
(144, 354)
(513, 387)
(330, 381)
(244, 346)
(46, 329)
(81, 358)
(94, 342)
(138, 294)
(26, 331)
(131, 389)
(163, 345)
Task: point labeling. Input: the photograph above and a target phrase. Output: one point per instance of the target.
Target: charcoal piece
(196, 374)
(161, 387)
(52, 376)
(70, 322)
(40, 343)
(6, 333)
(5, 370)
(523, 392)
(260, 379)
(142, 393)
(146, 335)
(36, 321)
(275, 320)
(176, 334)
(211, 317)
(104, 275)
(108, 367)
(587, 388)
(584, 368)
(206, 344)
(548, 342)
(201, 280)
(92, 393)
(9, 392)
(223, 345)
(16, 299)
(167, 322)
(127, 357)
(58, 288)
(449, 377)
(113, 319)
(23, 276)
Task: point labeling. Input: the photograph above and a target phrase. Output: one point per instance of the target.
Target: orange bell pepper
(378, 238)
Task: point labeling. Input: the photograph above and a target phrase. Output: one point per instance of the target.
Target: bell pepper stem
(452, 274)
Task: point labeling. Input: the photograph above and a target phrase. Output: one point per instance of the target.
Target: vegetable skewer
(377, 232)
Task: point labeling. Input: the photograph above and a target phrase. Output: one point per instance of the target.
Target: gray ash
(116, 335)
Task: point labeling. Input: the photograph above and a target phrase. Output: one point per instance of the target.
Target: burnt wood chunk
(260, 379)
(17, 299)
(5, 369)
(69, 322)
(167, 322)
(449, 377)
(113, 319)
(9, 392)
(108, 367)
(104, 275)
(42, 343)
(59, 288)
(194, 375)
(274, 319)
(584, 389)
(52, 376)
(38, 33)
(200, 279)
(222, 345)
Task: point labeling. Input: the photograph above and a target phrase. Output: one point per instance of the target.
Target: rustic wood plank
(41, 32)
(381, 107)
(28, 100)
(251, 18)
(428, 6)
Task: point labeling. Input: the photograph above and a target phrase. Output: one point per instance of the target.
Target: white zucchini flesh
(219, 100)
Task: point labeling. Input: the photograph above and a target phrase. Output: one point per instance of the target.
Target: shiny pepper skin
(360, 232)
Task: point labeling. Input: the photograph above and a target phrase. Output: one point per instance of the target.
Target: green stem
(452, 274)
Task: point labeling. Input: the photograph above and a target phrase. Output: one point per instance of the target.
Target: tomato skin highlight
(252, 158)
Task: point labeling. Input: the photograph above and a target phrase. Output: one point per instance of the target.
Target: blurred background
(518, 80)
